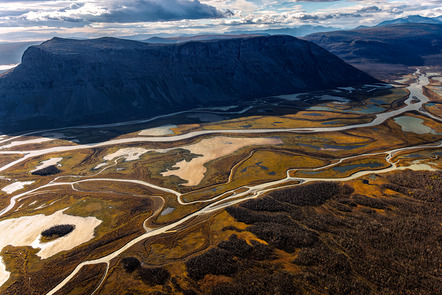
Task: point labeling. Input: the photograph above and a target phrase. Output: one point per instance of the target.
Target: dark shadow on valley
(104, 128)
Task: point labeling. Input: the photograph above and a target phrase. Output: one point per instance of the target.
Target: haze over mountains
(64, 81)
(412, 19)
(11, 52)
(398, 44)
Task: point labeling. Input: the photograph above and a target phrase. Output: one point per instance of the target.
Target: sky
(29, 20)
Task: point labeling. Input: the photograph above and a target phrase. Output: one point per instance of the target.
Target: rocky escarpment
(63, 81)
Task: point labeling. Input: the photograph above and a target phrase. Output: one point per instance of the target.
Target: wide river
(227, 198)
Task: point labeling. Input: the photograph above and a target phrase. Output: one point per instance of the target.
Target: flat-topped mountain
(63, 82)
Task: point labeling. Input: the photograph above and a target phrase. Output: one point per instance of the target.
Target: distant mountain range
(175, 40)
(64, 82)
(295, 31)
(400, 44)
(412, 19)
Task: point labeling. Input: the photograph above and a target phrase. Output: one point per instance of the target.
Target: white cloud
(71, 18)
(109, 11)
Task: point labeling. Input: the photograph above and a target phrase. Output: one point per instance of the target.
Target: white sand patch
(25, 142)
(419, 165)
(54, 134)
(19, 207)
(99, 166)
(26, 231)
(41, 207)
(205, 117)
(403, 80)
(18, 185)
(334, 98)
(211, 149)
(130, 154)
(349, 89)
(47, 163)
(158, 131)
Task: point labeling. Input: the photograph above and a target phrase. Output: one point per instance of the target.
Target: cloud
(157, 10)
(32, 19)
(369, 9)
(120, 11)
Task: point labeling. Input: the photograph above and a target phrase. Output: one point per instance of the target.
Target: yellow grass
(211, 149)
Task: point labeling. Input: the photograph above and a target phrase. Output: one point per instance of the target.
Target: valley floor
(327, 192)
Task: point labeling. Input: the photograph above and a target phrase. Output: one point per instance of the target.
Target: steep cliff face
(62, 81)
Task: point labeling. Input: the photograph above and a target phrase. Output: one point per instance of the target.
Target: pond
(316, 108)
(412, 124)
(168, 210)
(331, 123)
(350, 167)
(370, 110)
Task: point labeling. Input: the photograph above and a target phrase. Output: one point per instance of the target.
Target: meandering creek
(219, 201)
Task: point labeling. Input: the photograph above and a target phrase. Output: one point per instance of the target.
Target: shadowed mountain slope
(399, 44)
(406, 44)
(63, 82)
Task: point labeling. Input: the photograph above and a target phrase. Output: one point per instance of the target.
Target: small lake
(331, 123)
(168, 210)
(346, 168)
(371, 110)
(412, 124)
(413, 156)
(320, 109)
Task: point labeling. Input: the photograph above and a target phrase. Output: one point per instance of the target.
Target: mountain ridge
(412, 19)
(63, 81)
(385, 50)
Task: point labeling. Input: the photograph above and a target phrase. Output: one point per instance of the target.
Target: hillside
(63, 82)
(412, 19)
(399, 45)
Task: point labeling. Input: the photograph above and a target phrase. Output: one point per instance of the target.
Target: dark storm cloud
(369, 9)
(117, 11)
(157, 10)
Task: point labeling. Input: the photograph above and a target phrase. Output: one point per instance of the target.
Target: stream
(227, 198)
